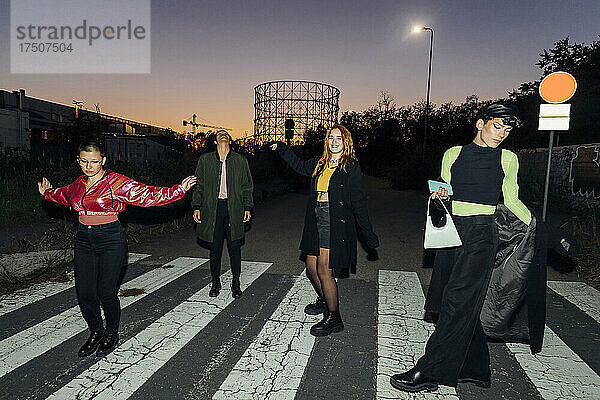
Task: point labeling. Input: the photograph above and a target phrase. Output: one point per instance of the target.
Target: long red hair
(348, 154)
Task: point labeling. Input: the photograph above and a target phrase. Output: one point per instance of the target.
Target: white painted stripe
(557, 372)
(402, 333)
(582, 295)
(121, 373)
(24, 346)
(135, 257)
(273, 364)
(24, 297)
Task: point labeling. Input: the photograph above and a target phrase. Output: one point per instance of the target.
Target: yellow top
(324, 177)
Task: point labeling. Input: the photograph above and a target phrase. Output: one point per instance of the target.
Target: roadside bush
(23, 205)
(585, 230)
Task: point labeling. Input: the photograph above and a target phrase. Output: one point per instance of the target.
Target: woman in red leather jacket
(100, 245)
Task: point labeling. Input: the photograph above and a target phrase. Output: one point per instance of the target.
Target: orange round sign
(558, 87)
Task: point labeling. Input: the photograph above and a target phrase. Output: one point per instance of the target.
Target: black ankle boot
(215, 288)
(331, 323)
(91, 344)
(108, 343)
(236, 291)
(317, 307)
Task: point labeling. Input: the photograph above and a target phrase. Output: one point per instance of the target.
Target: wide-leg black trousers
(100, 255)
(234, 247)
(458, 346)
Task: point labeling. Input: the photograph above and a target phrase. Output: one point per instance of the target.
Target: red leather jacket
(109, 195)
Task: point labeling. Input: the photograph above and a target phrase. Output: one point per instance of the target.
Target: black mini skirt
(323, 223)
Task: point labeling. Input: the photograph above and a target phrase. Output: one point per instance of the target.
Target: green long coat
(239, 193)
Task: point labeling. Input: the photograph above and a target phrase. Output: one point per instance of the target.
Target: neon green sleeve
(510, 187)
(449, 157)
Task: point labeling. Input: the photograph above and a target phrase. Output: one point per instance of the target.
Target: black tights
(322, 279)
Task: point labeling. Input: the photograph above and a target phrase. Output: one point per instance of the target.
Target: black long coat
(347, 212)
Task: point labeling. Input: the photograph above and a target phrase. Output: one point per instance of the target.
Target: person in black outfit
(479, 173)
(222, 204)
(336, 206)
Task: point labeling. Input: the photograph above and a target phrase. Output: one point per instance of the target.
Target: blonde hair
(348, 154)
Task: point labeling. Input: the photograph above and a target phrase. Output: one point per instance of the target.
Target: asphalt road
(177, 343)
(397, 218)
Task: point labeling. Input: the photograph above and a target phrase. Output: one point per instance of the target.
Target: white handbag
(444, 236)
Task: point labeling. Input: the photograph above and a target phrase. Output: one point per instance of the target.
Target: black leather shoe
(108, 343)
(331, 323)
(317, 307)
(482, 383)
(91, 344)
(215, 288)
(413, 381)
(236, 292)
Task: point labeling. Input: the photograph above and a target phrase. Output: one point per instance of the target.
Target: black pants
(458, 346)
(100, 254)
(222, 232)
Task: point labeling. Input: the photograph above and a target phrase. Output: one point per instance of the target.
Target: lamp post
(419, 29)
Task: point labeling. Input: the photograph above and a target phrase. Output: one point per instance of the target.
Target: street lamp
(419, 29)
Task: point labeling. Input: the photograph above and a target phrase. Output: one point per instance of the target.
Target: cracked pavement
(402, 333)
(20, 298)
(273, 365)
(262, 346)
(557, 372)
(24, 346)
(121, 373)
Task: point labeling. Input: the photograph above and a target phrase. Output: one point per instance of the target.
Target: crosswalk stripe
(402, 333)
(24, 297)
(582, 295)
(121, 373)
(273, 364)
(22, 347)
(557, 372)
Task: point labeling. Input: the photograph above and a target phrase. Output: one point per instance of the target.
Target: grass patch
(53, 272)
(586, 233)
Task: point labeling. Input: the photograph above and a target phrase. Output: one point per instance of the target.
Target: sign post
(547, 185)
(555, 88)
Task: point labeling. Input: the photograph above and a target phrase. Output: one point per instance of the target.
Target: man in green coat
(222, 203)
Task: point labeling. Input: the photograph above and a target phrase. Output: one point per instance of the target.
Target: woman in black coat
(337, 205)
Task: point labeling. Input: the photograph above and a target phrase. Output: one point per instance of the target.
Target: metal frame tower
(309, 104)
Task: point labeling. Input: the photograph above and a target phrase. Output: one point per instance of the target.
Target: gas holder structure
(308, 104)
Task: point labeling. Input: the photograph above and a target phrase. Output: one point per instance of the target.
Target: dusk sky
(208, 56)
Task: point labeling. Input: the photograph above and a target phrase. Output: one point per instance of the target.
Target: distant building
(45, 117)
(14, 134)
(27, 121)
(136, 148)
